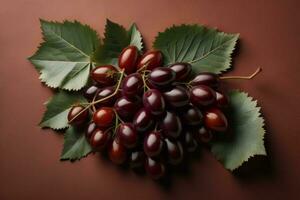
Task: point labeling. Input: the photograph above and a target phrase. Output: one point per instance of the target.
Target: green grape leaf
(116, 38)
(75, 145)
(248, 129)
(204, 48)
(58, 108)
(64, 58)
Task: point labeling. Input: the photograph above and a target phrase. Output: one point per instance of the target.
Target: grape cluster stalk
(149, 116)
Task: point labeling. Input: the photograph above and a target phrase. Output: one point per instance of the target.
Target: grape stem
(103, 99)
(257, 71)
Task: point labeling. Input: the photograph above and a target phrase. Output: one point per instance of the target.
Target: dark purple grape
(192, 116)
(154, 102)
(77, 115)
(189, 142)
(117, 153)
(128, 59)
(222, 100)
(143, 120)
(127, 135)
(126, 108)
(152, 59)
(206, 78)
(153, 144)
(155, 169)
(182, 70)
(202, 96)
(99, 139)
(132, 85)
(176, 97)
(90, 129)
(104, 75)
(175, 151)
(161, 76)
(91, 91)
(136, 159)
(105, 92)
(171, 125)
(203, 135)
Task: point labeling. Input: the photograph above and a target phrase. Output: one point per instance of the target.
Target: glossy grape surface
(153, 59)
(104, 117)
(222, 100)
(154, 102)
(128, 59)
(90, 129)
(206, 78)
(104, 75)
(91, 92)
(117, 153)
(202, 96)
(143, 120)
(162, 76)
(182, 70)
(126, 108)
(153, 144)
(171, 125)
(127, 135)
(176, 97)
(215, 120)
(192, 116)
(77, 116)
(99, 139)
(104, 93)
(132, 85)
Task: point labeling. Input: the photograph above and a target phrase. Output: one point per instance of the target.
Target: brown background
(29, 157)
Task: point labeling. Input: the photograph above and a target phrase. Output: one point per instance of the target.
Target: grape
(215, 120)
(136, 159)
(192, 116)
(127, 135)
(222, 100)
(202, 96)
(176, 97)
(132, 85)
(104, 93)
(104, 75)
(161, 76)
(153, 59)
(104, 117)
(203, 135)
(77, 116)
(117, 153)
(154, 102)
(206, 78)
(182, 70)
(175, 151)
(153, 144)
(171, 125)
(90, 129)
(128, 59)
(126, 108)
(155, 169)
(90, 92)
(143, 120)
(189, 142)
(99, 139)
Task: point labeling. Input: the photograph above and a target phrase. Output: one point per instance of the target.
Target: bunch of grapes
(149, 116)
